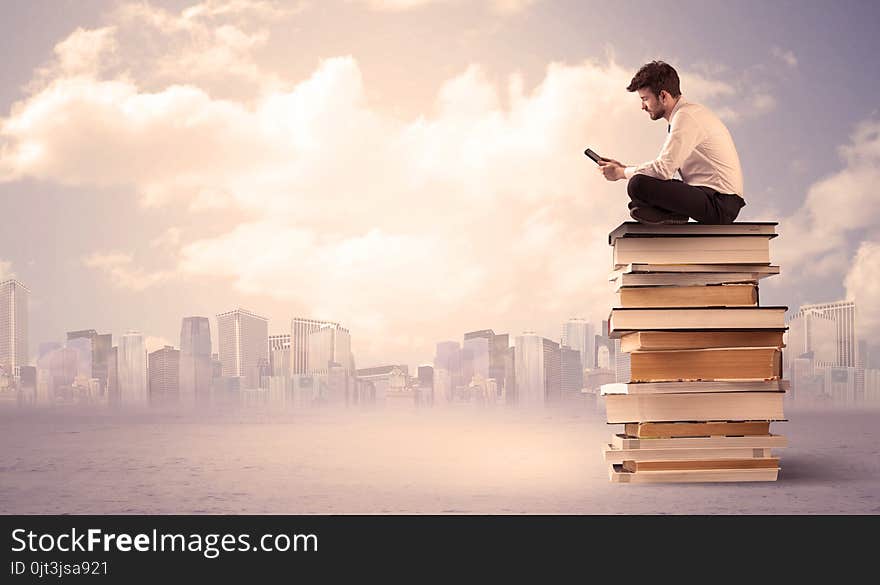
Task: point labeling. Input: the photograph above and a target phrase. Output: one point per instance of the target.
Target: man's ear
(662, 93)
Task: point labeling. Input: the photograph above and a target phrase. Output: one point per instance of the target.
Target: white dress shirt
(698, 146)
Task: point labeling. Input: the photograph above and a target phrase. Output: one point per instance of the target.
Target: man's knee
(638, 186)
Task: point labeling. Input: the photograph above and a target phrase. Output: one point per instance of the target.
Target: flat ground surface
(471, 461)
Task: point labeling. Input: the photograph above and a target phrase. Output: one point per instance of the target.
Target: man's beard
(658, 114)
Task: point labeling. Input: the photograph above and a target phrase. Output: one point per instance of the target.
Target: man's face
(651, 103)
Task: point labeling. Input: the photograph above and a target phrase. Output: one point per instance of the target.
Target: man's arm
(683, 137)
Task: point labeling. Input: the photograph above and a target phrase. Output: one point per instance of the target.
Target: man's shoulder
(698, 112)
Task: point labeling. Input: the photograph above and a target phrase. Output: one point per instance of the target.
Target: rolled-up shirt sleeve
(683, 137)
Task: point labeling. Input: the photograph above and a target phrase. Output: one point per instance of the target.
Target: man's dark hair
(656, 76)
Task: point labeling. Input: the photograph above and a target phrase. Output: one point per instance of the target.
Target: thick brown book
(692, 250)
(726, 406)
(660, 340)
(755, 463)
(726, 295)
(670, 430)
(737, 363)
(743, 228)
(623, 320)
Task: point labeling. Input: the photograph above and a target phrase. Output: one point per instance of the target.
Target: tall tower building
(578, 334)
(131, 369)
(279, 355)
(447, 371)
(843, 314)
(164, 376)
(244, 345)
(101, 345)
(812, 332)
(195, 361)
(572, 371)
(329, 344)
(300, 329)
(529, 365)
(13, 325)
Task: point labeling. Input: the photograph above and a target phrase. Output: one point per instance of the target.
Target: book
(612, 455)
(689, 274)
(736, 363)
(651, 430)
(621, 441)
(692, 250)
(623, 320)
(637, 229)
(661, 340)
(726, 406)
(725, 295)
(753, 463)
(617, 475)
(695, 387)
(647, 268)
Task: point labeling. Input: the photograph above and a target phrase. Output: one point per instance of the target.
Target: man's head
(658, 86)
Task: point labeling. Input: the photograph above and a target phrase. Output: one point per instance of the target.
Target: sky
(412, 169)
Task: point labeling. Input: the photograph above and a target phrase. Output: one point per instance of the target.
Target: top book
(630, 229)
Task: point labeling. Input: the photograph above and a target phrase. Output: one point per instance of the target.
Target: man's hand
(612, 169)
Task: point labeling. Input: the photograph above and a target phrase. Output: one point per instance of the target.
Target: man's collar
(678, 104)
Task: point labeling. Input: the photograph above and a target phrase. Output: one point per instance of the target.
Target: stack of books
(705, 358)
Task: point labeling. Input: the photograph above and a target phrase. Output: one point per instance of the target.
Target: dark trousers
(704, 204)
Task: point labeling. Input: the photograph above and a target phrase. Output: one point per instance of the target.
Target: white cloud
(787, 57)
(502, 6)
(122, 272)
(5, 269)
(481, 212)
(863, 286)
(838, 208)
(153, 343)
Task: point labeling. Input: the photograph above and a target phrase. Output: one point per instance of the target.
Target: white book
(723, 406)
(617, 475)
(620, 441)
(624, 320)
(694, 387)
(613, 455)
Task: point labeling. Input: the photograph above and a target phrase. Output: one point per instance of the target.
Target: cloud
(863, 286)
(120, 269)
(480, 212)
(787, 57)
(502, 6)
(5, 269)
(153, 343)
(816, 240)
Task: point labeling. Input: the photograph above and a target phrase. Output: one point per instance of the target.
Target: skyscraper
(131, 369)
(812, 332)
(13, 325)
(498, 349)
(195, 361)
(572, 371)
(244, 345)
(164, 376)
(300, 329)
(529, 364)
(843, 314)
(101, 344)
(329, 344)
(578, 334)
(447, 371)
(279, 355)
